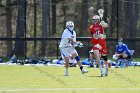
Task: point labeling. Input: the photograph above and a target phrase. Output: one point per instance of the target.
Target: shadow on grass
(98, 76)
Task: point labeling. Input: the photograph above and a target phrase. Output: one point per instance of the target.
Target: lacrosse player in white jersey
(67, 44)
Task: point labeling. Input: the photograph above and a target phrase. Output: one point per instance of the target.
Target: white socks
(101, 68)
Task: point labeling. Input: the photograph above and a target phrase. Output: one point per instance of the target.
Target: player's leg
(106, 63)
(128, 60)
(97, 57)
(124, 59)
(75, 55)
(66, 56)
(104, 56)
(66, 65)
(91, 56)
(117, 63)
(79, 63)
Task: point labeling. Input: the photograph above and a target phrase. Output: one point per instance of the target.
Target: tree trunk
(133, 21)
(121, 19)
(64, 7)
(53, 17)
(45, 24)
(105, 18)
(9, 28)
(84, 17)
(105, 10)
(114, 19)
(127, 17)
(97, 7)
(35, 20)
(21, 29)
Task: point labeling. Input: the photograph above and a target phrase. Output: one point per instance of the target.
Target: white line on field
(66, 89)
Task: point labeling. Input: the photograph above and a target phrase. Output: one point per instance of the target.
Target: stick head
(101, 12)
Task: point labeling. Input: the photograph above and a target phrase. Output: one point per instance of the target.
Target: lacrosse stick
(101, 13)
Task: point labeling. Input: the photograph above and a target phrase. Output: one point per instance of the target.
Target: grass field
(51, 79)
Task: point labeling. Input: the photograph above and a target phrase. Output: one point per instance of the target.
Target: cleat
(84, 71)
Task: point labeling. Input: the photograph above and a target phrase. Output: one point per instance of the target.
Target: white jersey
(65, 38)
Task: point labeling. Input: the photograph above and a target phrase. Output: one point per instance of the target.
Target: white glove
(103, 36)
(103, 24)
(115, 57)
(96, 36)
(79, 44)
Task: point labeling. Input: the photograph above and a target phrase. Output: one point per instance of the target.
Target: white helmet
(69, 24)
(96, 17)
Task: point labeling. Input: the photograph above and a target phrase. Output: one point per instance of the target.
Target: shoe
(102, 73)
(84, 71)
(66, 73)
(106, 73)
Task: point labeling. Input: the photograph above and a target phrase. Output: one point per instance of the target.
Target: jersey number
(97, 32)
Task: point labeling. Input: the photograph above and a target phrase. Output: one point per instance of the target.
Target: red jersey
(97, 30)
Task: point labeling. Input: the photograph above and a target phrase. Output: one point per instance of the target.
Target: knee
(124, 56)
(105, 58)
(77, 58)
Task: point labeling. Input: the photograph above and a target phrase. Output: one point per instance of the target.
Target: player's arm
(125, 49)
(116, 53)
(75, 43)
(72, 41)
(103, 24)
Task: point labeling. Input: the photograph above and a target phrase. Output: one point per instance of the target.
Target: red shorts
(101, 46)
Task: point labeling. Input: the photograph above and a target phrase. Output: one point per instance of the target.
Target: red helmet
(120, 40)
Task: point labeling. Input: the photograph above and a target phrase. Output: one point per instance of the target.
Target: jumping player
(68, 41)
(98, 38)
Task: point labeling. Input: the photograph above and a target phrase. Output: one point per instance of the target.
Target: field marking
(65, 89)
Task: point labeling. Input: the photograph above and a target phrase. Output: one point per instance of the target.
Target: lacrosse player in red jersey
(98, 39)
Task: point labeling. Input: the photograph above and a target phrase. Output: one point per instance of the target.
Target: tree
(53, 17)
(21, 29)
(45, 24)
(105, 10)
(114, 18)
(84, 17)
(9, 27)
(97, 6)
(131, 20)
(106, 6)
(35, 20)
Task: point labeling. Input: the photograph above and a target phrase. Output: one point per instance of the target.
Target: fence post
(57, 49)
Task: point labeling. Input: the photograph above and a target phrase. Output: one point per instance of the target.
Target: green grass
(51, 79)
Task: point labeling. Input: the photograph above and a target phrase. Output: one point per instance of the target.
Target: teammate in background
(92, 57)
(98, 38)
(122, 52)
(68, 41)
